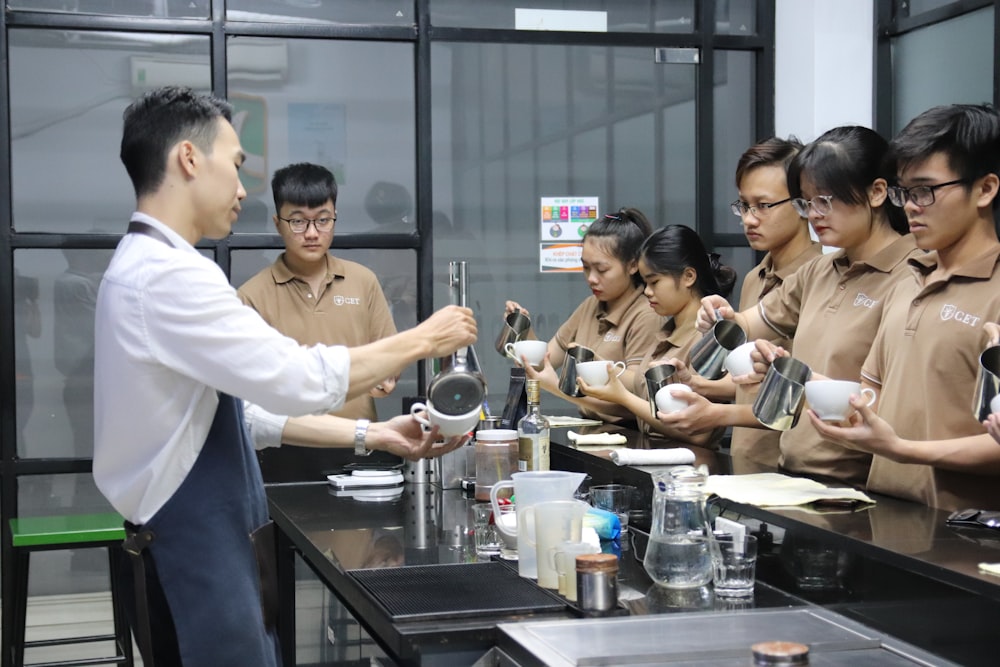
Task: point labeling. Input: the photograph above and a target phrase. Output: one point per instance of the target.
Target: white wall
(824, 61)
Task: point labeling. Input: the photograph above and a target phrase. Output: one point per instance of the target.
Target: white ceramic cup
(829, 398)
(995, 403)
(738, 362)
(532, 350)
(448, 425)
(595, 373)
(667, 403)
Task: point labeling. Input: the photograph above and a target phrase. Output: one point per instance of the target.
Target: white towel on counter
(652, 457)
(596, 438)
(771, 489)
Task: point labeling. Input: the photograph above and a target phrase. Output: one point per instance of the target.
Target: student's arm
(867, 432)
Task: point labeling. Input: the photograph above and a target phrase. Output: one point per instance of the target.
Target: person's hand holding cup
(595, 373)
(666, 402)
(448, 425)
(532, 350)
(830, 399)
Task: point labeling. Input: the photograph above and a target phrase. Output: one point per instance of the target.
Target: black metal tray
(430, 592)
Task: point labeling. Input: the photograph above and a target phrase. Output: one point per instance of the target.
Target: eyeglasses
(740, 208)
(300, 225)
(921, 195)
(822, 204)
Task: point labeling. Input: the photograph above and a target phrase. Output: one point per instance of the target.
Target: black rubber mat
(425, 592)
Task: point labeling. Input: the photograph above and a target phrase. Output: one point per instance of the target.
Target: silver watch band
(360, 431)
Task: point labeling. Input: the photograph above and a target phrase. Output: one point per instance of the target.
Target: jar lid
(597, 563)
(780, 653)
(497, 435)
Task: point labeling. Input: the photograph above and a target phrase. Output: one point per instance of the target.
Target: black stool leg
(21, 566)
(122, 632)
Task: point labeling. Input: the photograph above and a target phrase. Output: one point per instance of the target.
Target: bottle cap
(531, 389)
(780, 653)
(497, 435)
(597, 563)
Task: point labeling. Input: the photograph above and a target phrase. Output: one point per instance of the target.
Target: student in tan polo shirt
(616, 321)
(772, 225)
(830, 307)
(678, 272)
(928, 445)
(307, 293)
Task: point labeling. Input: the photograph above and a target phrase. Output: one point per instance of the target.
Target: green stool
(45, 533)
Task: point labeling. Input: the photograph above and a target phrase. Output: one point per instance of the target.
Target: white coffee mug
(739, 362)
(532, 350)
(995, 403)
(667, 403)
(595, 373)
(448, 425)
(829, 399)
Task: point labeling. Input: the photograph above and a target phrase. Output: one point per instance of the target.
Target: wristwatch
(360, 431)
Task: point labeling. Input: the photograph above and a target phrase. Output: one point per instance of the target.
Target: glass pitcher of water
(678, 554)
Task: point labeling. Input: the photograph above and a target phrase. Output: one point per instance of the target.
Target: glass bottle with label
(533, 434)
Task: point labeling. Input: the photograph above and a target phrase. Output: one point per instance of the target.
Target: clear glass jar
(496, 458)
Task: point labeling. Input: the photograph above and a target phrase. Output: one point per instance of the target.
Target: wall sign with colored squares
(564, 221)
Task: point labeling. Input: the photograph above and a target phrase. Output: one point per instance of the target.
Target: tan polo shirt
(926, 358)
(756, 444)
(625, 333)
(350, 310)
(832, 309)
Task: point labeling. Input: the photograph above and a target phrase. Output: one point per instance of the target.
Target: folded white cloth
(771, 489)
(990, 568)
(596, 438)
(651, 457)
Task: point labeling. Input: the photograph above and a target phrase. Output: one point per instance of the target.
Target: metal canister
(780, 653)
(597, 582)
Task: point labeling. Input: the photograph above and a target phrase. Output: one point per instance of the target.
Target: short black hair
(967, 134)
(774, 151)
(155, 122)
(303, 184)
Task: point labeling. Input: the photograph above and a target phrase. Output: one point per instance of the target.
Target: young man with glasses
(310, 295)
(928, 444)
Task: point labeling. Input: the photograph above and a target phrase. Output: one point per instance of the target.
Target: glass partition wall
(446, 122)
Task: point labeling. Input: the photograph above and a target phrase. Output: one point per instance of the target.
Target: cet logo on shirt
(865, 301)
(346, 300)
(612, 337)
(950, 312)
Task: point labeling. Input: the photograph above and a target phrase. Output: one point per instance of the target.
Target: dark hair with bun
(672, 249)
(621, 234)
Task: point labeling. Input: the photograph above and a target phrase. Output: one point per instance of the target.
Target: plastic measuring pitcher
(555, 522)
(531, 488)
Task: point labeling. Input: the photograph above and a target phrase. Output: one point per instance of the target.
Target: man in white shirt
(174, 346)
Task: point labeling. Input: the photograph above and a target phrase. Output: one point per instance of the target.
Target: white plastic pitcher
(556, 521)
(531, 488)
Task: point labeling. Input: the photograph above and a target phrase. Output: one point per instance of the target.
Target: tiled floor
(325, 632)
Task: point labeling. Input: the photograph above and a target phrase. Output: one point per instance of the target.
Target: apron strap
(136, 541)
(138, 227)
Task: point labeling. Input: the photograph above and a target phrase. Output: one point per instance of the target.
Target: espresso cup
(533, 350)
(448, 425)
(595, 373)
(667, 403)
(829, 399)
(739, 361)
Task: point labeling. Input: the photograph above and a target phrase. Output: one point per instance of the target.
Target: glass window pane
(915, 7)
(962, 45)
(735, 17)
(151, 8)
(661, 16)
(346, 105)
(735, 126)
(382, 12)
(55, 294)
(67, 94)
(607, 148)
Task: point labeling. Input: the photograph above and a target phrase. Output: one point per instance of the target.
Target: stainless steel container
(567, 376)
(782, 394)
(708, 356)
(987, 382)
(656, 378)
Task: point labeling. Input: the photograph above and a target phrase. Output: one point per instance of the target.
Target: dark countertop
(895, 567)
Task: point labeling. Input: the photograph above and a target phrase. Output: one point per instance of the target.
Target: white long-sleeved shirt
(170, 332)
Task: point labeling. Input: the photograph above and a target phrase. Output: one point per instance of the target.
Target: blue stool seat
(78, 531)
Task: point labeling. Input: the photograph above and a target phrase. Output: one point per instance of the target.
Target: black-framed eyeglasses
(921, 195)
(740, 208)
(300, 225)
(822, 204)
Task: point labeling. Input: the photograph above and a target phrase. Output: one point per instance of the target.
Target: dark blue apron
(201, 569)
